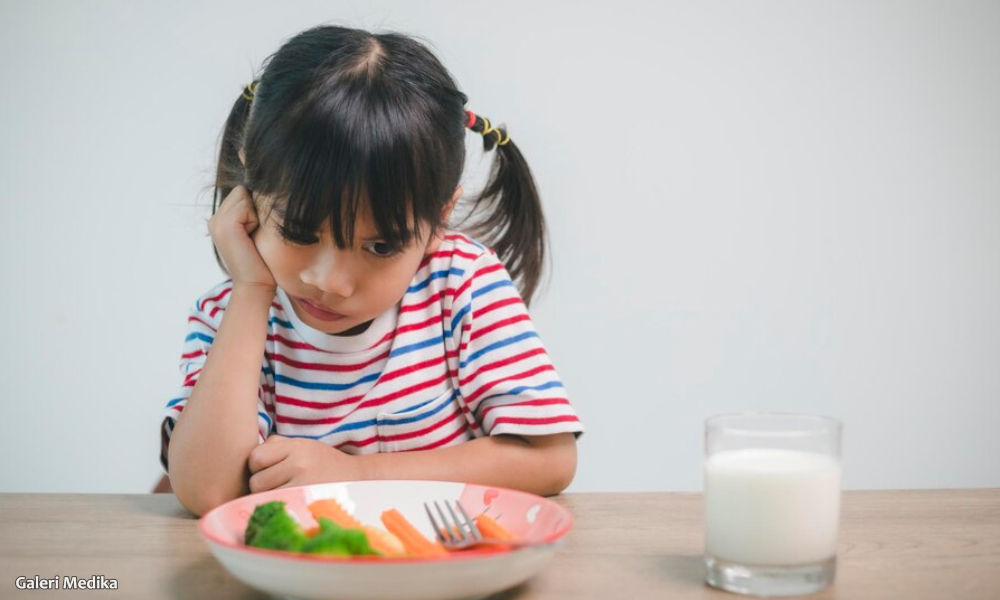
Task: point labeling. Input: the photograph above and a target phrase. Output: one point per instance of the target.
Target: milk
(771, 507)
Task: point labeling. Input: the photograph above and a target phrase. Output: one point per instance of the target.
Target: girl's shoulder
(467, 268)
(461, 250)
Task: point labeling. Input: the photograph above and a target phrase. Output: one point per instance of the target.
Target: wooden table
(893, 544)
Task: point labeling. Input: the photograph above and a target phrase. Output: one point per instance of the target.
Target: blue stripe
(495, 345)
(267, 370)
(457, 317)
(415, 346)
(285, 324)
(174, 401)
(435, 275)
(338, 429)
(489, 288)
(199, 336)
(325, 386)
(421, 416)
(266, 418)
(475, 294)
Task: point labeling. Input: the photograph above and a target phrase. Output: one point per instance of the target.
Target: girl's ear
(446, 213)
(438, 236)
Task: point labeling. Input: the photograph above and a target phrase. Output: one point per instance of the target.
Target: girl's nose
(330, 272)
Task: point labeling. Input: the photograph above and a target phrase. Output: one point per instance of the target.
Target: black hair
(341, 118)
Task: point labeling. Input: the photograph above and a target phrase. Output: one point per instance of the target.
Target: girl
(357, 337)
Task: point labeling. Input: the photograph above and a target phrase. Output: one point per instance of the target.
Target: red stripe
(193, 318)
(411, 307)
(384, 339)
(494, 306)
(411, 368)
(443, 441)
(501, 363)
(389, 376)
(498, 324)
(471, 398)
(215, 298)
(359, 444)
(459, 237)
(420, 325)
(366, 404)
(293, 344)
(535, 421)
(483, 271)
(450, 417)
(191, 355)
(534, 402)
(326, 367)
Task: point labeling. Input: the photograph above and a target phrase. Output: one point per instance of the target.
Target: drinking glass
(772, 502)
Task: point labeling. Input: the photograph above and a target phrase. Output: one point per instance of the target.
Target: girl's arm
(543, 465)
(207, 455)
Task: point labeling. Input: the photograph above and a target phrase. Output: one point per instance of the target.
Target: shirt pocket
(429, 424)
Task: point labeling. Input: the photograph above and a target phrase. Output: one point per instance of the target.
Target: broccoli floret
(272, 527)
(336, 540)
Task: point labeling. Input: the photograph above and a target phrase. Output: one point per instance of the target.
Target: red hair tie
(472, 119)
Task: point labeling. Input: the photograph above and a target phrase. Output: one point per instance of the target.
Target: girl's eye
(296, 239)
(381, 249)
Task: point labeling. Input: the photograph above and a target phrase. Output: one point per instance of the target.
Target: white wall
(770, 205)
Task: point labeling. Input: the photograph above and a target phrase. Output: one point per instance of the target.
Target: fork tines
(450, 529)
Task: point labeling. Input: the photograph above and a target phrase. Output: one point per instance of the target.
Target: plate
(467, 574)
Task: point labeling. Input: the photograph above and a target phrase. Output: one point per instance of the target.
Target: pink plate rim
(298, 556)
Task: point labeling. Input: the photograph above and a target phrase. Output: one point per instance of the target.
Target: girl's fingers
(266, 454)
(270, 478)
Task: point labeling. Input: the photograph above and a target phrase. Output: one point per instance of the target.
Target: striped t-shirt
(458, 358)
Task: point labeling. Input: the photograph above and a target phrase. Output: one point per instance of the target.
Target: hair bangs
(352, 147)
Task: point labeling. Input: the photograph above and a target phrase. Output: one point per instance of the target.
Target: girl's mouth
(320, 313)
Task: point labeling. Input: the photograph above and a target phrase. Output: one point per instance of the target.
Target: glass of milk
(772, 502)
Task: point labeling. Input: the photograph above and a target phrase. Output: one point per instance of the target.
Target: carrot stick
(491, 529)
(384, 542)
(415, 543)
(331, 509)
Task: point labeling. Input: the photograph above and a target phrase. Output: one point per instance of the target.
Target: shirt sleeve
(203, 322)
(505, 376)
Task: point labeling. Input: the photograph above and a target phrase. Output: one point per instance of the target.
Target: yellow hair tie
(487, 128)
(252, 88)
(502, 137)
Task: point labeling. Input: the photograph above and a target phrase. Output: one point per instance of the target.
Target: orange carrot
(491, 529)
(331, 509)
(415, 543)
(381, 541)
(384, 542)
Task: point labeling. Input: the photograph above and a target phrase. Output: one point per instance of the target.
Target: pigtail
(513, 225)
(230, 171)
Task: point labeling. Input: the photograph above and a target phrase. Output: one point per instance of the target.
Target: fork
(457, 534)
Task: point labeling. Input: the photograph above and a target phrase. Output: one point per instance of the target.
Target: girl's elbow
(560, 466)
(196, 497)
(198, 502)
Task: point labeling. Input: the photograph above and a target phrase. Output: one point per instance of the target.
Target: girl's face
(339, 291)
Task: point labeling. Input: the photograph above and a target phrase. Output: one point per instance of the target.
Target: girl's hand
(284, 462)
(231, 226)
